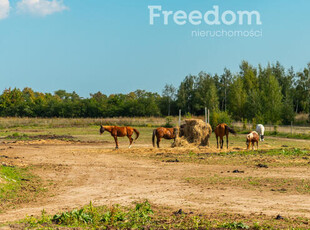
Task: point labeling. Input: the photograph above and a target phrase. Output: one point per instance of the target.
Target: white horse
(260, 129)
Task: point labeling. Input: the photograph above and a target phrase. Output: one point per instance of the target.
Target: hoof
(129, 146)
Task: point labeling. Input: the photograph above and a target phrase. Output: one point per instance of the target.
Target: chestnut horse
(120, 132)
(223, 130)
(166, 133)
(253, 138)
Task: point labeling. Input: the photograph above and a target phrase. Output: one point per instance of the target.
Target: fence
(293, 129)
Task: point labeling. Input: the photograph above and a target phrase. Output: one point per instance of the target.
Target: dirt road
(80, 173)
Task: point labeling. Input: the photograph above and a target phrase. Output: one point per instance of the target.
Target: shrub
(169, 122)
(218, 118)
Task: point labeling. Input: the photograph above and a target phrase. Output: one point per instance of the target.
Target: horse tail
(230, 130)
(153, 137)
(137, 133)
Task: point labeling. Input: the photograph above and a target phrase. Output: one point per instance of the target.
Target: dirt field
(203, 180)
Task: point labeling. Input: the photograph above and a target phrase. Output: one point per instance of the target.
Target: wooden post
(291, 127)
(180, 114)
(208, 116)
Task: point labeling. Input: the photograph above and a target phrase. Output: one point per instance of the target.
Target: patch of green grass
(281, 185)
(303, 136)
(272, 158)
(17, 185)
(144, 216)
(97, 217)
(18, 136)
(235, 225)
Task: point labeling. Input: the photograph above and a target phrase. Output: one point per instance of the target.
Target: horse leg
(158, 141)
(217, 141)
(116, 142)
(130, 141)
(222, 142)
(227, 140)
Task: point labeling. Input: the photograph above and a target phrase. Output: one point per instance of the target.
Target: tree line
(270, 94)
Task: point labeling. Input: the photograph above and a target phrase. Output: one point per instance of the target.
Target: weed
(234, 225)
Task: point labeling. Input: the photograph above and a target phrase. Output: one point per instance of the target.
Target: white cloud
(4, 8)
(40, 7)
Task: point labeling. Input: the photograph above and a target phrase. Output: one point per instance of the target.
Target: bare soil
(78, 173)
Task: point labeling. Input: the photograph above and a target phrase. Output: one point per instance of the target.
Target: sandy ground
(90, 172)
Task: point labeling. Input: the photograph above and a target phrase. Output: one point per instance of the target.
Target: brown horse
(253, 138)
(223, 130)
(166, 133)
(120, 132)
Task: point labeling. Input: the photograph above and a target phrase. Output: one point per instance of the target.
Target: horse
(253, 138)
(166, 133)
(120, 132)
(220, 131)
(260, 129)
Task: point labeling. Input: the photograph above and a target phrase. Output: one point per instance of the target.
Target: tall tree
(225, 82)
(205, 94)
(186, 93)
(237, 98)
(169, 94)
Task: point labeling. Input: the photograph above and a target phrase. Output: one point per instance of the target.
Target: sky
(88, 46)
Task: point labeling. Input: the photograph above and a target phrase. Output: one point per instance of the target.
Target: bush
(254, 123)
(169, 122)
(245, 123)
(218, 118)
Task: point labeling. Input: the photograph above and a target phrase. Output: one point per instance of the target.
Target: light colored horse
(260, 129)
(253, 138)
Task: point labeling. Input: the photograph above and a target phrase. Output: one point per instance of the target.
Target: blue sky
(108, 45)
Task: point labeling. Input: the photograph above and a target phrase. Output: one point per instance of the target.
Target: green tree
(169, 94)
(237, 99)
(205, 94)
(186, 93)
(272, 100)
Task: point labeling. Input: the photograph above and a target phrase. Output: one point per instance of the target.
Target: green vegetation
(272, 158)
(143, 216)
(17, 185)
(289, 135)
(268, 94)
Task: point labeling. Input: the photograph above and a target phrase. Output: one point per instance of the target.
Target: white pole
(206, 115)
(180, 114)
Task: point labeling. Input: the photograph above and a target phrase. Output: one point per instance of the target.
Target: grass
(16, 122)
(283, 157)
(303, 136)
(17, 185)
(144, 216)
(294, 186)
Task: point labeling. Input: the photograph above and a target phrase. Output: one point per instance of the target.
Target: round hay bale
(194, 131)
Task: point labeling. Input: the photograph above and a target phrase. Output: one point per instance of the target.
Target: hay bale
(195, 132)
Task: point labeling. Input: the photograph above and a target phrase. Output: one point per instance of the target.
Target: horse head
(181, 130)
(175, 132)
(101, 130)
(248, 140)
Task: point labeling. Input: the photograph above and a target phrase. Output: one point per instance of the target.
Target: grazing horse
(120, 132)
(166, 133)
(253, 138)
(260, 129)
(223, 130)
